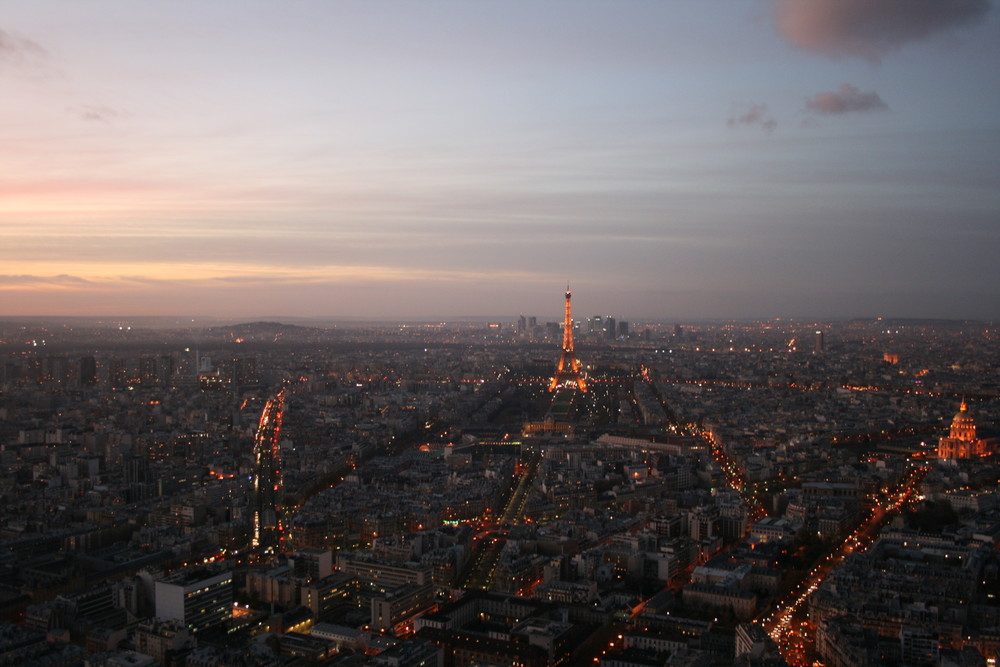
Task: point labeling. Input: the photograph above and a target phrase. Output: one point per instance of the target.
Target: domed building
(962, 441)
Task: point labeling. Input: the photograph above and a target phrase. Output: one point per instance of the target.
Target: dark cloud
(756, 114)
(18, 50)
(845, 99)
(870, 28)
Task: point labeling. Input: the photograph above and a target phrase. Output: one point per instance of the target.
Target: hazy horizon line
(204, 320)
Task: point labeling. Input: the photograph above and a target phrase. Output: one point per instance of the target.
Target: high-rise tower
(568, 371)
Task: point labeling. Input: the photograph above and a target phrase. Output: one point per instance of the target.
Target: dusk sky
(669, 160)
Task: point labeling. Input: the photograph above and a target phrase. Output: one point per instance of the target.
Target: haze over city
(785, 158)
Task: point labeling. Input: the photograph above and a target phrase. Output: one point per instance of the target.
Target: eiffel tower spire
(568, 371)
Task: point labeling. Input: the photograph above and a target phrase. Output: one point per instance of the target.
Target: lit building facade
(197, 597)
(962, 441)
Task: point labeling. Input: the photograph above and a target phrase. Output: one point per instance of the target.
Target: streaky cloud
(99, 113)
(17, 49)
(64, 280)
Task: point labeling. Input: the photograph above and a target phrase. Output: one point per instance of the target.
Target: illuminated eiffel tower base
(568, 372)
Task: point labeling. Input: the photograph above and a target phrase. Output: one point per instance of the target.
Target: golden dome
(963, 426)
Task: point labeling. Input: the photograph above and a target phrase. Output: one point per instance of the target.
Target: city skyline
(812, 159)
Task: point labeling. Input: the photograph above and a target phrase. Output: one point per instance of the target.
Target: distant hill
(263, 330)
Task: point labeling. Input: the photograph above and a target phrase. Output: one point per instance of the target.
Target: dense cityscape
(580, 492)
(289, 376)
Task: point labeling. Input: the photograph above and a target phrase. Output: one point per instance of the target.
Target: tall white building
(199, 598)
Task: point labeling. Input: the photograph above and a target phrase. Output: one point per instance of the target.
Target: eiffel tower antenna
(568, 370)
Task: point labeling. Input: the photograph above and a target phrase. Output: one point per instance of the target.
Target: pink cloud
(845, 99)
(756, 114)
(870, 29)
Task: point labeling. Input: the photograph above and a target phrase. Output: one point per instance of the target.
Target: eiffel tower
(568, 371)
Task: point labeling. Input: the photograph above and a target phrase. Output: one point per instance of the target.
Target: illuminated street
(490, 546)
(788, 622)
